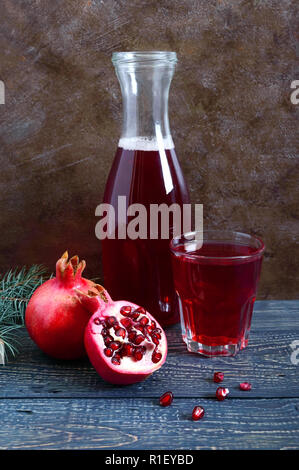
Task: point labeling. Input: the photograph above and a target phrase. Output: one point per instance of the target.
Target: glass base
(213, 351)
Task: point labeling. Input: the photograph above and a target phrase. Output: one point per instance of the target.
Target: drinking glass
(216, 281)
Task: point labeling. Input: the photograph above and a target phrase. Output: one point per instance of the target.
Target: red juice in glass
(140, 269)
(216, 287)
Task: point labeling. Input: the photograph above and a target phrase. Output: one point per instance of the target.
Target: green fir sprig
(16, 288)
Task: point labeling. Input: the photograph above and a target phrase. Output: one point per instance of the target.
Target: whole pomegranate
(124, 342)
(55, 317)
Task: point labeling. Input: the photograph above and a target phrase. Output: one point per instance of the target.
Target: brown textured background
(231, 117)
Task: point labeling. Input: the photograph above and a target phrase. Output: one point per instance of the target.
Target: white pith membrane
(148, 144)
(129, 364)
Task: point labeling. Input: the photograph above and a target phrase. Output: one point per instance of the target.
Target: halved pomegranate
(125, 344)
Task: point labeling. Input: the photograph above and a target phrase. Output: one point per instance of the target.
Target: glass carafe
(146, 171)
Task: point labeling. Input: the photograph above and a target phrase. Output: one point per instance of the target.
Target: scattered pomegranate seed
(108, 352)
(156, 357)
(218, 377)
(126, 311)
(97, 321)
(246, 386)
(166, 399)
(197, 413)
(121, 332)
(221, 393)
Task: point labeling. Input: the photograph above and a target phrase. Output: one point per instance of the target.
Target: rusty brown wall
(231, 116)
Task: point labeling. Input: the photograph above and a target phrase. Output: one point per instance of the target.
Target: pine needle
(16, 288)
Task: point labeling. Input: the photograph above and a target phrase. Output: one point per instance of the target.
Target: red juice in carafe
(140, 270)
(217, 287)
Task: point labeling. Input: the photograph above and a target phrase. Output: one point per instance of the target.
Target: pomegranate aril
(110, 321)
(139, 339)
(156, 333)
(97, 321)
(138, 355)
(121, 332)
(108, 339)
(126, 311)
(221, 393)
(140, 310)
(132, 336)
(128, 349)
(144, 321)
(108, 352)
(156, 357)
(126, 322)
(153, 324)
(116, 359)
(166, 399)
(135, 315)
(197, 413)
(104, 332)
(148, 329)
(139, 327)
(155, 340)
(245, 386)
(116, 326)
(218, 377)
(115, 345)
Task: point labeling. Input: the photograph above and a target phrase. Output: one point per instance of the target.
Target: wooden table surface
(48, 404)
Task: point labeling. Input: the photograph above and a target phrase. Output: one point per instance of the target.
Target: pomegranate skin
(133, 372)
(55, 317)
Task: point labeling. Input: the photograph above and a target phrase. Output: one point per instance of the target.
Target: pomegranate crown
(69, 270)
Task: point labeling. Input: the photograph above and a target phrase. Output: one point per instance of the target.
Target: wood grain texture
(143, 424)
(266, 363)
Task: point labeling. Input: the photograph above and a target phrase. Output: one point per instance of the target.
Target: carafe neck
(145, 79)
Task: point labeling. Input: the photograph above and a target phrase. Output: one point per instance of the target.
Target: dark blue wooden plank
(143, 424)
(266, 363)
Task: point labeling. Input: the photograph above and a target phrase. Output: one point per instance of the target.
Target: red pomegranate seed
(166, 399)
(132, 336)
(110, 321)
(221, 393)
(144, 321)
(104, 332)
(126, 311)
(140, 310)
(121, 332)
(97, 321)
(197, 413)
(139, 327)
(153, 324)
(246, 386)
(138, 355)
(155, 340)
(116, 359)
(156, 332)
(108, 352)
(135, 315)
(115, 345)
(126, 322)
(148, 329)
(156, 357)
(108, 339)
(127, 349)
(218, 377)
(139, 339)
